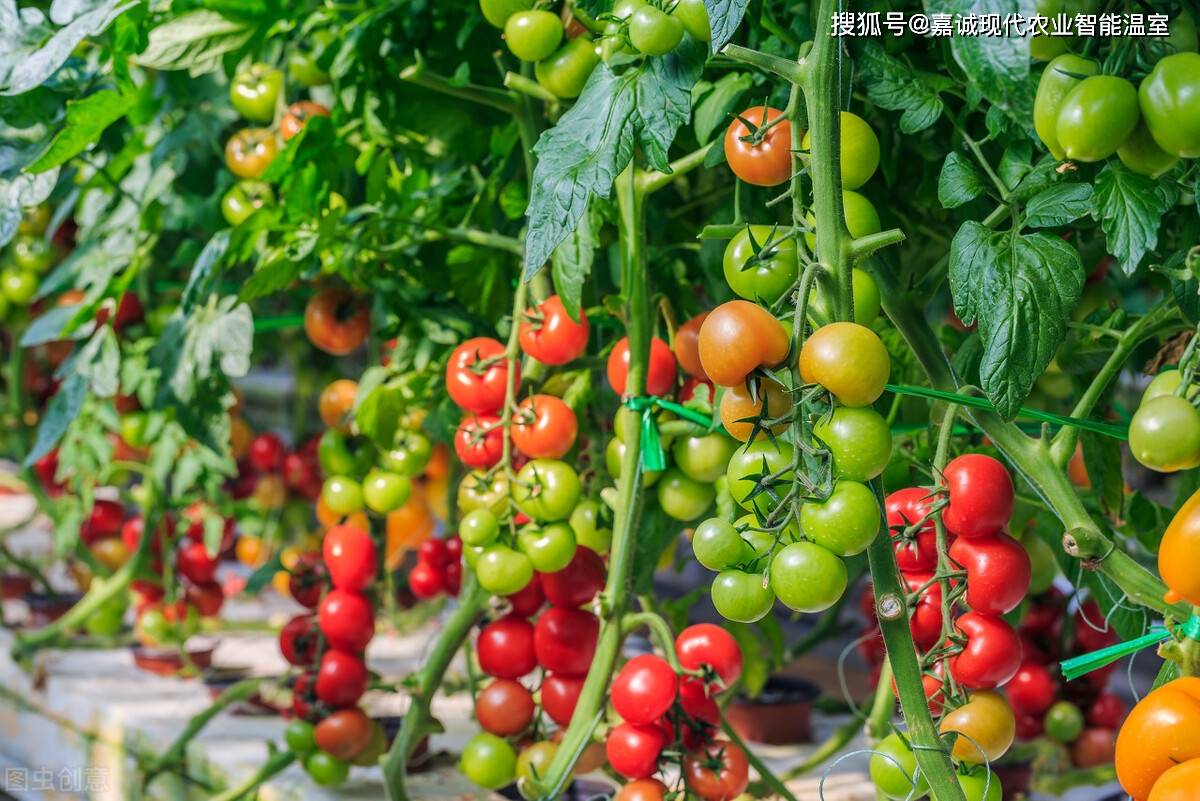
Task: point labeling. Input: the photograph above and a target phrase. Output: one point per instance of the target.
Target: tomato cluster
(29, 256)
(438, 570)
(1158, 747)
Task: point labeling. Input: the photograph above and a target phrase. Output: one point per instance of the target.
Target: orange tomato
(738, 405)
(1077, 470)
(408, 527)
(437, 495)
(1162, 730)
(1177, 553)
(738, 337)
(240, 435)
(438, 466)
(336, 401)
(687, 346)
(1180, 783)
(249, 550)
(281, 581)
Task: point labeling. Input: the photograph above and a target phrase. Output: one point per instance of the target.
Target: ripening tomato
(633, 750)
(987, 724)
(479, 441)
(350, 558)
(250, 151)
(991, 655)
(565, 640)
(687, 346)
(847, 359)
(505, 648)
(336, 321)
(718, 772)
(576, 584)
(347, 620)
(998, 572)
(341, 679)
(543, 427)
(904, 508)
(1161, 731)
(336, 402)
(758, 146)
(660, 371)
(760, 399)
(344, 734)
(298, 115)
(550, 335)
(981, 496)
(477, 375)
(504, 708)
(644, 689)
(642, 789)
(738, 337)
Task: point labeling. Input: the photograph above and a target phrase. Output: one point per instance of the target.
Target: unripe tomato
(1169, 98)
(1064, 722)
(565, 72)
(846, 522)
(807, 578)
(336, 322)
(1177, 553)
(750, 464)
(1096, 117)
(250, 151)
(847, 359)
(550, 548)
(497, 12)
(894, 771)
(243, 199)
(18, 286)
(553, 338)
(981, 496)
(654, 32)
(859, 150)
(489, 761)
(532, 763)
(1142, 154)
(660, 371)
(866, 298)
(759, 149)
(991, 655)
(694, 17)
(546, 490)
(859, 440)
(298, 115)
(326, 769)
(1057, 81)
(385, 492)
(683, 498)
(986, 724)
(533, 35)
(255, 91)
(502, 570)
(859, 213)
(765, 399)
(1164, 434)
(983, 785)
(738, 337)
(742, 597)
(760, 263)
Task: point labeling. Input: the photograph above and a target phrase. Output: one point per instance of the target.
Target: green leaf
(86, 120)
(572, 262)
(378, 414)
(195, 41)
(959, 181)
(581, 156)
(1130, 208)
(48, 327)
(714, 106)
(1021, 290)
(894, 85)
(62, 409)
(33, 51)
(724, 16)
(263, 574)
(1058, 205)
(20, 193)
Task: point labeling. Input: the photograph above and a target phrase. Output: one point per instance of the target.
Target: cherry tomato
(344, 734)
(565, 72)
(762, 399)
(560, 694)
(266, 452)
(904, 508)
(17, 286)
(760, 264)
(410, 454)
(550, 548)
(808, 578)
(845, 523)
(683, 498)
(103, 521)
(1169, 98)
(576, 584)
(1096, 116)
(532, 763)
(893, 769)
(497, 12)
(925, 620)
(736, 338)
(864, 289)
(981, 496)
(982, 786)
(859, 440)
(505, 648)
(502, 570)
(299, 736)
(298, 115)
(546, 490)
(633, 750)
(549, 335)
(349, 555)
(991, 655)
(254, 92)
(1161, 731)
(741, 596)
(998, 572)
(1164, 434)
(859, 150)
(710, 647)
(347, 620)
(479, 441)
(847, 359)
(718, 772)
(1032, 690)
(477, 375)
(528, 601)
(544, 427)
(654, 32)
(250, 151)
(488, 761)
(343, 496)
(565, 640)
(642, 789)
(1063, 722)
(533, 35)
(694, 17)
(337, 402)
(1057, 81)
(758, 146)
(660, 372)
(195, 564)
(341, 679)
(987, 727)
(644, 689)
(1106, 712)
(206, 598)
(336, 321)
(326, 769)
(687, 346)
(298, 640)
(504, 708)
(750, 464)
(703, 458)
(384, 492)
(425, 581)
(32, 253)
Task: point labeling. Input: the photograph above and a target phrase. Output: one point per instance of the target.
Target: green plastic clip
(1077, 666)
(652, 456)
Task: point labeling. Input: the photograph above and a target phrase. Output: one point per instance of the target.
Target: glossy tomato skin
(991, 655)
(104, 521)
(723, 783)
(847, 359)
(859, 440)
(555, 338)
(349, 556)
(1177, 553)
(347, 620)
(576, 584)
(926, 614)
(633, 750)
(479, 390)
(344, 734)
(544, 427)
(341, 679)
(336, 321)
(705, 646)
(1178, 784)
(479, 441)
(250, 151)
(1164, 434)
(298, 640)
(767, 400)
(687, 345)
(505, 648)
(761, 160)
(1106, 712)
(1096, 117)
(644, 689)
(641, 790)
(1057, 81)
(760, 263)
(1169, 98)
(195, 564)
(1032, 690)
(298, 115)
(560, 694)
(981, 496)
(738, 337)
(1162, 730)
(566, 71)
(987, 724)
(740, 596)
(504, 708)
(905, 507)
(660, 372)
(527, 602)
(998, 572)
(565, 640)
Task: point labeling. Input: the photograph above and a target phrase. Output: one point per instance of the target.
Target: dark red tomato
(347, 620)
(350, 557)
(759, 149)
(1096, 746)
(706, 646)
(131, 535)
(560, 694)
(998, 572)
(578, 582)
(454, 548)
(452, 578)
(633, 750)
(103, 521)
(304, 695)
(302, 475)
(479, 441)
(1032, 690)
(345, 734)
(266, 453)
(926, 618)
(298, 640)
(981, 496)
(207, 598)
(644, 689)
(307, 580)
(565, 640)
(434, 552)
(505, 648)
(1106, 712)
(991, 655)
(718, 772)
(904, 508)
(549, 335)
(660, 374)
(528, 601)
(46, 469)
(194, 563)
(1029, 726)
(336, 321)
(1092, 631)
(129, 311)
(703, 715)
(544, 427)
(504, 708)
(477, 375)
(341, 679)
(425, 581)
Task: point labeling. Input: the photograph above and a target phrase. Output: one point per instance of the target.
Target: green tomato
(304, 65)
(254, 92)
(471, 554)
(299, 737)
(1169, 98)
(682, 498)
(585, 522)
(1057, 81)
(761, 541)
(761, 264)
(566, 71)
(859, 439)
(533, 764)
(846, 523)
(489, 761)
(547, 490)
(385, 492)
(1096, 117)
(244, 198)
(32, 254)
(18, 286)
(894, 770)
(497, 12)
(35, 220)
(808, 578)
(154, 626)
(479, 491)
(866, 299)
(1166, 383)
(741, 597)
(614, 456)
(326, 769)
(753, 461)
(502, 570)
(1043, 567)
(1142, 154)
(654, 32)
(109, 618)
(859, 152)
(533, 35)
(343, 496)
(1164, 434)
(409, 455)
(694, 17)
(1064, 722)
(861, 218)
(339, 455)
(981, 786)
(479, 527)
(133, 429)
(704, 458)
(1043, 47)
(549, 549)
(718, 546)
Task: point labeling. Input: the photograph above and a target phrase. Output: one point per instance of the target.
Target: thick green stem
(650, 182)
(484, 95)
(276, 763)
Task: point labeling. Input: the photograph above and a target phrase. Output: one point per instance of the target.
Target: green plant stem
(495, 98)
(276, 763)
(879, 719)
(658, 627)
(788, 70)
(651, 181)
(476, 236)
(27, 567)
(519, 83)
(765, 774)
(841, 737)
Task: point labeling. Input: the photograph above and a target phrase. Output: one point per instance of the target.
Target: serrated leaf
(195, 41)
(572, 263)
(86, 120)
(48, 327)
(1130, 208)
(1058, 205)
(724, 16)
(959, 181)
(894, 85)
(1021, 290)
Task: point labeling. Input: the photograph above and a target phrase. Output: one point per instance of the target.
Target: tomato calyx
(756, 132)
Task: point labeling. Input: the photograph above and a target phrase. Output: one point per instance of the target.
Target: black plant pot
(781, 714)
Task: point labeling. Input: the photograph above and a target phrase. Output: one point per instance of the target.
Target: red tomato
(1106, 712)
(131, 535)
(304, 695)
(434, 552)
(687, 347)
(477, 375)
(633, 750)
(1096, 747)
(544, 427)
(1032, 690)
(347, 620)
(103, 521)
(703, 714)
(926, 618)
(991, 655)
(194, 563)
(549, 335)
(644, 689)
(505, 648)
(207, 598)
(349, 555)
(719, 772)
(266, 453)
(760, 153)
(425, 581)
(528, 601)
(479, 441)
(452, 578)
(336, 321)
(307, 580)
(565, 640)
(981, 496)
(660, 372)
(504, 708)
(298, 640)
(578, 582)
(709, 647)
(998, 572)
(560, 694)
(904, 508)
(1029, 726)
(341, 679)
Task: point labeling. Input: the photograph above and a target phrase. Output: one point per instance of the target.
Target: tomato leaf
(86, 120)
(1021, 290)
(20, 193)
(196, 41)
(724, 16)
(894, 85)
(1058, 205)
(714, 103)
(572, 262)
(959, 181)
(62, 409)
(1130, 208)
(33, 50)
(582, 155)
